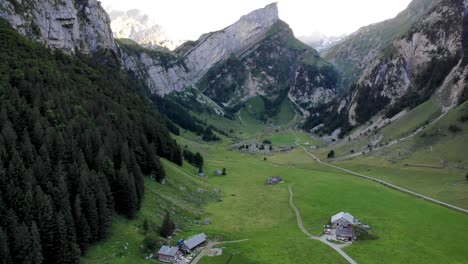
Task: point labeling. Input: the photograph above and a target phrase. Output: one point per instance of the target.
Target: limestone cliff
(68, 25)
(354, 53)
(426, 62)
(201, 55)
(256, 56)
(409, 70)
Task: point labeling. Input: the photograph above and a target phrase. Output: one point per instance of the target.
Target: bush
(331, 154)
(454, 129)
(152, 242)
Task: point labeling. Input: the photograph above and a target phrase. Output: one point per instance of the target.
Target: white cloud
(188, 19)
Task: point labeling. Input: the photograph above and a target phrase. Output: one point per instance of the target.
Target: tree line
(75, 145)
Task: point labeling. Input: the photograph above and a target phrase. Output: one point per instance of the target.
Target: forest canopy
(75, 144)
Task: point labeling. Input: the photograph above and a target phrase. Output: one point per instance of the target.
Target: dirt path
(383, 182)
(336, 247)
(396, 141)
(209, 246)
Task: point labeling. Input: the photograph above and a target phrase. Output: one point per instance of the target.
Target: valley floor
(406, 229)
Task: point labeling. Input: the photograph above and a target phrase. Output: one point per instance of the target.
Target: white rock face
(159, 79)
(210, 49)
(214, 47)
(392, 75)
(67, 25)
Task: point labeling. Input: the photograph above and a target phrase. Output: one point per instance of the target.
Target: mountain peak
(264, 16)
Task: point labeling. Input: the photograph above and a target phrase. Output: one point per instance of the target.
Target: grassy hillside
(433, 162)
(182, 195)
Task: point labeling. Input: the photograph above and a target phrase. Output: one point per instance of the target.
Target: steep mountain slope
(354, 53)
(136, 25)
(68, 25)
(424, 63)
(256, 56)
(198, 57)
(75, 144)
(277, 66)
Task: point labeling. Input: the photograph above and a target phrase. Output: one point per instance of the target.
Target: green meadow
(406, 229)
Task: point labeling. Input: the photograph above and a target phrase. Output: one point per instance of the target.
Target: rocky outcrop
(412, 66)
(426, 62)
(277, 66)
(354, 53)
(256, 56)
(198, 57)
(214, 47)
(68, 25)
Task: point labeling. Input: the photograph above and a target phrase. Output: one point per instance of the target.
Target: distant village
(265, 147)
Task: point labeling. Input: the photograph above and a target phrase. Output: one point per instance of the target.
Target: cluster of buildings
(174, 254)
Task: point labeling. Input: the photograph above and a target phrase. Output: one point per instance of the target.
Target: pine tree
(5, 257)
(145, 226)
(198, 160)
(83, 234)
(36, 247)
(168, 226)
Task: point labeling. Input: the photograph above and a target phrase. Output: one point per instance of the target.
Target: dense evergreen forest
(75, 144)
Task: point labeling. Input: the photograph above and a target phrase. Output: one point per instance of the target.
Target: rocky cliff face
(412, 67)
(199, 56)
(426, 62)
(256, 56)
(276, 67)
(355, 52)
(68, 25)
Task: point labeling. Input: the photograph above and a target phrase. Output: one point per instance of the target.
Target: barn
(193, 242)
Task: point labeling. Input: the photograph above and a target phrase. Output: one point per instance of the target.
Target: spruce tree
(36, 247)
(145, 226)
(168, 226)
(5, 255)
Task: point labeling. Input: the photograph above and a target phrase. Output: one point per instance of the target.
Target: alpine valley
(121, 145)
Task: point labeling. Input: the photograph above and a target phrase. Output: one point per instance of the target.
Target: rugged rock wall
(256, 56)
(198, 57)
(412, 66)
(276, 67)
(355, 52)
(68, 25)
(427, 62)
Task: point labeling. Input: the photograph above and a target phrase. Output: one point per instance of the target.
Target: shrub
(454, 129)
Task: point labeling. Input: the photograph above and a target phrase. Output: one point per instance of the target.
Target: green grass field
(183, 194)
(262, 214)
(409, 230)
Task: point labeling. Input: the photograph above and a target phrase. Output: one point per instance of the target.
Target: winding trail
(387, 184)
(209, 246)
(396, 141)
(336, 247)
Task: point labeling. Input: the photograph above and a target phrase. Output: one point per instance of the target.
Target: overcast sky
(188, 19)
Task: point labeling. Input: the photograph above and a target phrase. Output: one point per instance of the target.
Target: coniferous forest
(75, 144)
